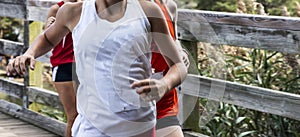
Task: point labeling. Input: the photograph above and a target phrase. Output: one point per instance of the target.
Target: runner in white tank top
(113, 55)
(113, 64)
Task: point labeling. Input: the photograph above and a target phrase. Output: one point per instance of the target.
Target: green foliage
(273, 7)
(264, 69)
(48, 111)
(10, 28)
(229, 122)
(269, 70)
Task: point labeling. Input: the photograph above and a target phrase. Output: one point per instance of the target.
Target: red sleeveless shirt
(168, 105)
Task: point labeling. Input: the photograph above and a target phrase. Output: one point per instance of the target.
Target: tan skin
(68, 17)
(66, 89)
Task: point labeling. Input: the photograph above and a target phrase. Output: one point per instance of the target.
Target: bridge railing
(243, 30)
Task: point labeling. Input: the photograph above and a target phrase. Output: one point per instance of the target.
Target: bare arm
(160, 33)
(172, 7)
(45, 41)
(51, 15)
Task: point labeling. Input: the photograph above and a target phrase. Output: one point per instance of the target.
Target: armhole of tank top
(172, 19)
(139, 6)
(80, 19)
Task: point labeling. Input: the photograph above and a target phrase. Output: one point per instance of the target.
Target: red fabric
(168, 105)
(63, 53)
(60, 3)
(168, 17)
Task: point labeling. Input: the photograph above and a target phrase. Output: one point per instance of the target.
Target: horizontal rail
(250, 20)
(34, 118)
(13, 8)
(39, 95)
(273, 33)
(9, 48)
(251, 97)
(38, 3)
(48, 123)
(256, 98)
(37, 13)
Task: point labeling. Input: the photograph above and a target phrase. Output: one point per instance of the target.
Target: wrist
(166, 85)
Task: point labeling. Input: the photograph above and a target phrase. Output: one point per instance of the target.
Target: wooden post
(192, 114)
(36, 75)
(26, 45)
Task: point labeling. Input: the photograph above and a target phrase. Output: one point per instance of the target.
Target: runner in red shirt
(62, 60)
(167, 107)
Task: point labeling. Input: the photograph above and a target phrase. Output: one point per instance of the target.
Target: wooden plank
(18, 2)
(17, 126)
(26, 76)
(35, 94)
(9, 48)
(37, 13)
(14, 127)
(193, 134)
(250, 20)
(241, 36)
(34, 118)
(260, 99)
(43, 96)
(13, 8)
(264, 100)
(255, 98)
(6, 133)
(11, 88)
(44, 3)
(251, 31)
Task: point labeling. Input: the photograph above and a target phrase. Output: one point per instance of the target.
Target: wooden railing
(252, 31)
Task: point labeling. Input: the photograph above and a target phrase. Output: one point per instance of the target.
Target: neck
(110, 6)
(109, 3)
(111, 9)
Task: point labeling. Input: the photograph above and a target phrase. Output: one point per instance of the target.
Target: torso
(110, 55)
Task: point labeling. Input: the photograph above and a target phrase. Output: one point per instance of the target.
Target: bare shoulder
(71, 8)
(53, 10)
(70, 13)
(54, 7)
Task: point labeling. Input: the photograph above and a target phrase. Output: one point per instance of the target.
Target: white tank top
(109, 57)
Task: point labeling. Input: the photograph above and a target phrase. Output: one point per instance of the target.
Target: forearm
(175, 75)
(39, 47)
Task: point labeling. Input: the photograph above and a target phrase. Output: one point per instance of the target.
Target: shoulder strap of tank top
(60, 3)
(168, 17)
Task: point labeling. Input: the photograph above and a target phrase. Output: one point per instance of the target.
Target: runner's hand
(150, 89)
(50, 21)
(19, 64)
